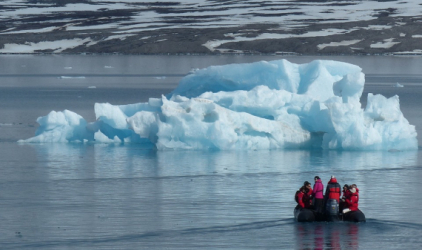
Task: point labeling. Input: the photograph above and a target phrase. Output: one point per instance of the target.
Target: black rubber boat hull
(354, 216)
(308, 215)
(303, 214)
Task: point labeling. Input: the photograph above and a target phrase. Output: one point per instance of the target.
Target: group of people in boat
(335, 200)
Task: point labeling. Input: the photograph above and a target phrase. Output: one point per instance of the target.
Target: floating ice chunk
(67, 67)
(71, 77)
(193, 70)
(65, 126)
(92, 87)
(101, 138)
(262, 105)
(388, 121)
(108, 67)
(398, 85)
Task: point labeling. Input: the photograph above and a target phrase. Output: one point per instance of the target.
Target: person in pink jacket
(318, 195)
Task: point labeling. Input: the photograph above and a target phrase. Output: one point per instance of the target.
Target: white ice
(261, 105)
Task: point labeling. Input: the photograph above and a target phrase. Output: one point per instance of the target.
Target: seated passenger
(346, 191)
(308, 194)
(352, 201)
(302, 198)
(299, 197)
(346, 194)
(356, 187)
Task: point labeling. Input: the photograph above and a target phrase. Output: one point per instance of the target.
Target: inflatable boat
(354, 216)
(309, 215)
(304, 214)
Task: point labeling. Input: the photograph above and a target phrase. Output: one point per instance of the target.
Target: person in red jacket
(304, 197)
(356, 187)
(308, 194)
(333, 190)
(299, 197)
(346, 194)
(352, 201)
(346, 191)
(331, 199)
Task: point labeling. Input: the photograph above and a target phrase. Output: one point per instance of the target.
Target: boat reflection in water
(323, 235)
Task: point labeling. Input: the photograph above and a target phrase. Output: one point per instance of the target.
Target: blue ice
(261, 105)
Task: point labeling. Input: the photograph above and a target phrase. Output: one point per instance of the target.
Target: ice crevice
(261, 105)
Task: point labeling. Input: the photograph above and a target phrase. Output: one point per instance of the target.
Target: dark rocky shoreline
(162, 39)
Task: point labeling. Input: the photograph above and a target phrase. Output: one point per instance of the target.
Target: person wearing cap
(346, 191)
(357, 189)
(318, 195)
(352, 201)
(333, 190)
(332, 199)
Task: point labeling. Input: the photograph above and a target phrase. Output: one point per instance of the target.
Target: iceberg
(261, 105)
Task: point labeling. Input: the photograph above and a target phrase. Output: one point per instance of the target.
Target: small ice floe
(67, 67)
(108, 67)
(160, 77)
(92, 87)
(398, 85)
(5, 124)
(193, 70)
(71, 77)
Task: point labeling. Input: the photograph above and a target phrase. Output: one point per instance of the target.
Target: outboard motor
(332, 210)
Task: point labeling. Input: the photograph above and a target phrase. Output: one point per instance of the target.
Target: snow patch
(335, 44)
(385, 44)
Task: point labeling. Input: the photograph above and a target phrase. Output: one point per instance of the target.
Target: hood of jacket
(333, 180)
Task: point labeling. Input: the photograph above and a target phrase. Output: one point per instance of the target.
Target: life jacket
(334, 193)
(334, 190)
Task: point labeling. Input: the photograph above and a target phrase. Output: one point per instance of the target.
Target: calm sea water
(100, 196)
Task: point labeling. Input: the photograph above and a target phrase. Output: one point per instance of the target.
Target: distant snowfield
(387, 43)
(211, 45)
(342, 43)
(126, 18)
(57, 46)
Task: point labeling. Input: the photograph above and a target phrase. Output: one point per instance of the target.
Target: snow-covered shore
(205, 26)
